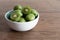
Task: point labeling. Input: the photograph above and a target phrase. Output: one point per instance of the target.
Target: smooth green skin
(30, 17)
(16, 12)
(21, 12)
(22, 20)
(34, 12)
(18, 7)
(14, 18)
(24, 10)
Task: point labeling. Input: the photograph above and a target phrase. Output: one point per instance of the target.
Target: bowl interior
(7, 17)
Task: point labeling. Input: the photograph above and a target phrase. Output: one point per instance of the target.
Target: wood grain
(48, 27)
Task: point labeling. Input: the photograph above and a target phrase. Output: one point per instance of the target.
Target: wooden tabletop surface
(48, 27)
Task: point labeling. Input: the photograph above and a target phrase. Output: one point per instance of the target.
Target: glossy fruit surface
(17, 7)
(26, 10)
(30, 17)
(18, 12)
(23, 14)
(15, 15)
(34, 12)
(22, 20)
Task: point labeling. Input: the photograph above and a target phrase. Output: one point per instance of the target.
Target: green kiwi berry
(26, 10)
(18, 7)
(22, 20)
(30, 17)
(18, 12)
(34, 12)
(15, 15)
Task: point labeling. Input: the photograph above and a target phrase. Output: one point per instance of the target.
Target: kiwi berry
(34, 12)
(18, 7)
(26, 10)
(30, 17)
(18, 12)
(22, 19)
(15, 15)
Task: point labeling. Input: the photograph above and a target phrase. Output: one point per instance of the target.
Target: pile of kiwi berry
(23, 14)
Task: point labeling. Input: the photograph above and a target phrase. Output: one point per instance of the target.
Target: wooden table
(48, 27)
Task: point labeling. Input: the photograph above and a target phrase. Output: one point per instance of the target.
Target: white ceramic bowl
(21, 26)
